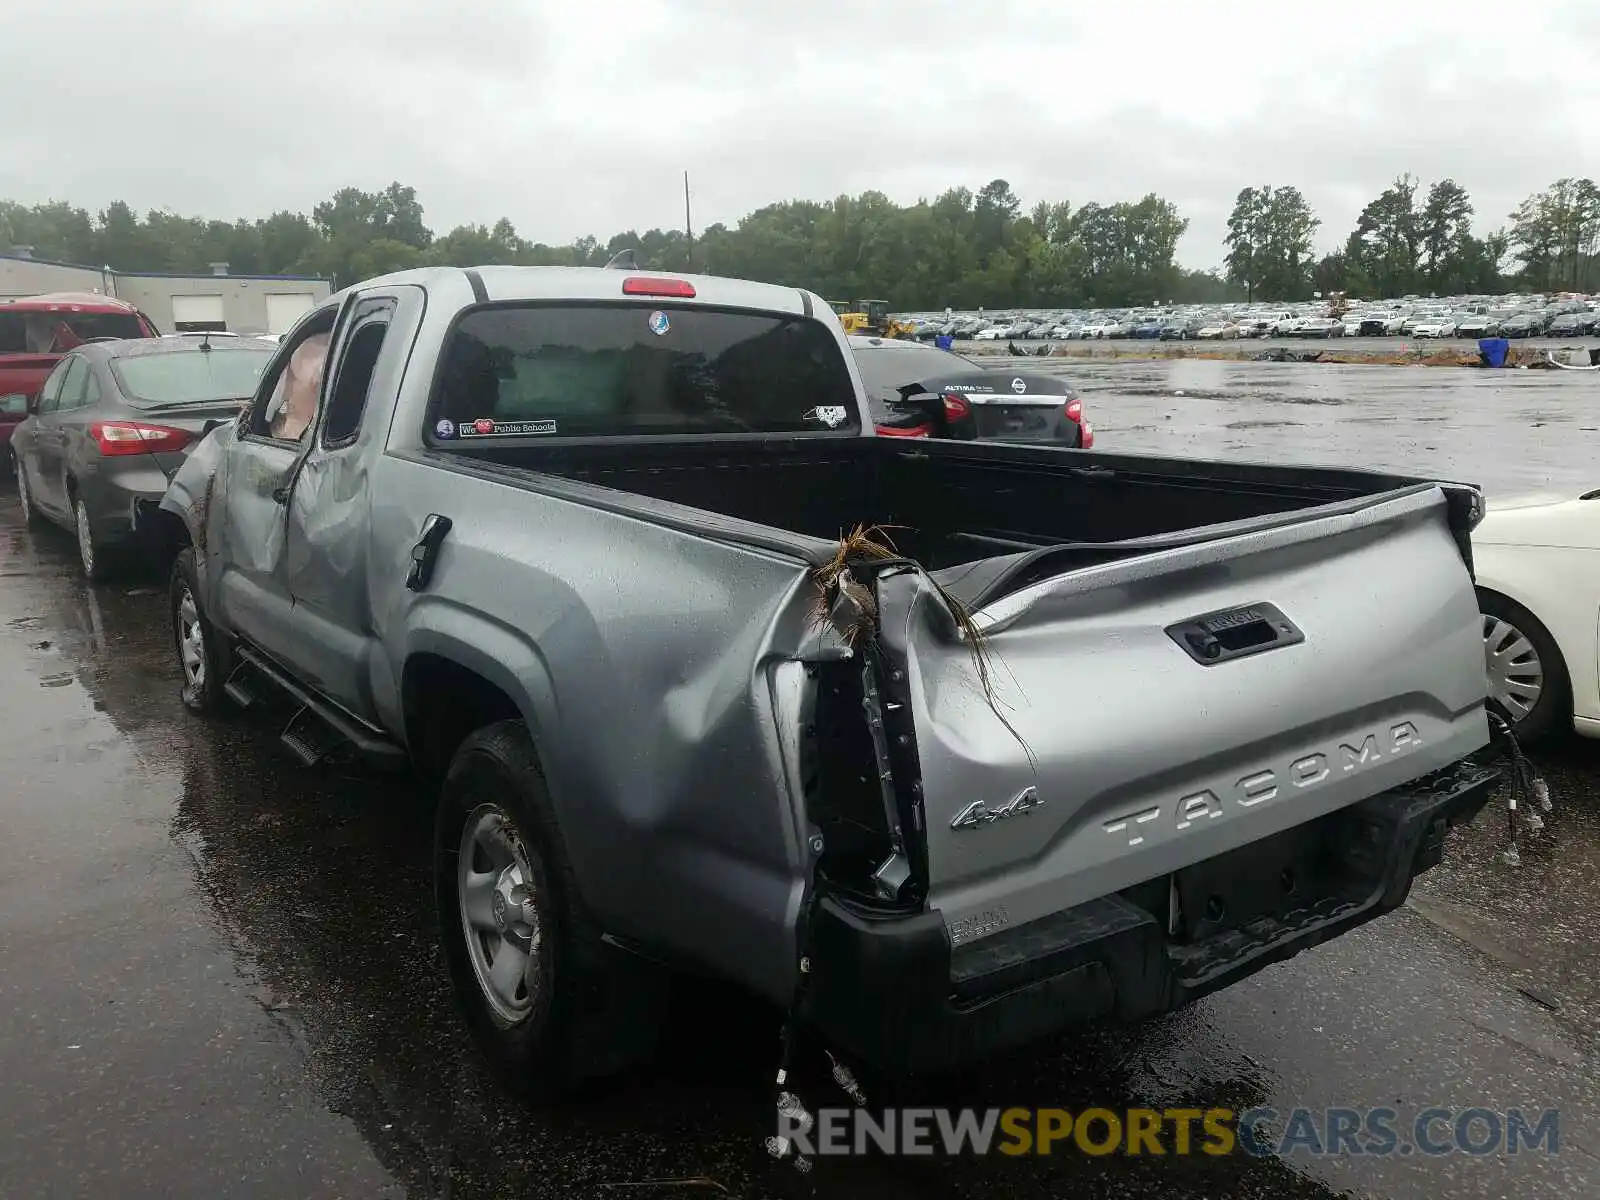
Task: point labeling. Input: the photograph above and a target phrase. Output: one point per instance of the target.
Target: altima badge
(978, 814)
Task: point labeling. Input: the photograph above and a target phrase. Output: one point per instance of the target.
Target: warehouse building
(218, 302)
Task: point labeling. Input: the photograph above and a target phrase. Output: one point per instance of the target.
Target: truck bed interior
(946, 504)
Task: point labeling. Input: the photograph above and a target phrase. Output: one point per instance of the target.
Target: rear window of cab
(611, 369)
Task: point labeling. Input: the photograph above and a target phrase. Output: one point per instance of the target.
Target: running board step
(340, 728)
(310, 739)
(235, 689)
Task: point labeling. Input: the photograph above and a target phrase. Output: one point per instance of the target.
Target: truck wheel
(516, 937)
(1528, 681)
(201, 656)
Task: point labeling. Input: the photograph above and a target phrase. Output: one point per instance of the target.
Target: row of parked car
(1558, 319)
(1166, 328)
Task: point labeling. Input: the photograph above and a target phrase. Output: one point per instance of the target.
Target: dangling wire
(1524, 784)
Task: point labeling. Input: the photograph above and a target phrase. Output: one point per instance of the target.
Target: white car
(1538, 567)
(1434, 327)
(990, 333)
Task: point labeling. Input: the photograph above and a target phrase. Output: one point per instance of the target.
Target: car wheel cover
(500, 913)
(1516, 675)
(85, 536)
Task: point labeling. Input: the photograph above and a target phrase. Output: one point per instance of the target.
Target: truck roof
(605, 283)
(68, 301)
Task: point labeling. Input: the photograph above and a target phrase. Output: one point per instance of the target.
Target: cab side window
(347, 398)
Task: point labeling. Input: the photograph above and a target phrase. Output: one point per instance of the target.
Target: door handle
(426, 552)
(1218, 637)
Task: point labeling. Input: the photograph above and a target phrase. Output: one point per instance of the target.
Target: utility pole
(688, 224)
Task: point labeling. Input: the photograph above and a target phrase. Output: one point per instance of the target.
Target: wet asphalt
(219, 974)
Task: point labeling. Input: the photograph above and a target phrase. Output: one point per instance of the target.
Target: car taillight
(655, 285)
(956, 407)
(134, 437)
(1086, 441)
(1074, 409)
(913, 431)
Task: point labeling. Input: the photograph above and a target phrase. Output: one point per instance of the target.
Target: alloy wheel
(191, 641)
(86, 549)
(499, 913)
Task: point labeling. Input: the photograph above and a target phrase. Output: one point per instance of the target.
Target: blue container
(1493, 351)
(945, 341)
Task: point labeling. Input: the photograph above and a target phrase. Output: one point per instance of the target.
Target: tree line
(1410, 242)
(963, 249)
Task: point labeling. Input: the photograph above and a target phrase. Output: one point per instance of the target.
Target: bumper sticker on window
(484, 427)
(832, 415)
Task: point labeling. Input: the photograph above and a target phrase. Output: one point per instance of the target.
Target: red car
(35, 331)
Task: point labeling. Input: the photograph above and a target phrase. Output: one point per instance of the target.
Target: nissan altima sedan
(918, 392)
(110, 425)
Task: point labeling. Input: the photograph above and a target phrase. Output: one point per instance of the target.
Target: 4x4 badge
(978, 814)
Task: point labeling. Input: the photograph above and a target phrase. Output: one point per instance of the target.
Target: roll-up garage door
(198, 314)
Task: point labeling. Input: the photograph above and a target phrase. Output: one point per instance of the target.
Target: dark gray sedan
(111, 424)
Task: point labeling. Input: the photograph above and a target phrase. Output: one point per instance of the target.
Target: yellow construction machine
(870, 317)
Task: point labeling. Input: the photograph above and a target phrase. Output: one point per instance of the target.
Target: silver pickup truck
(942, 746)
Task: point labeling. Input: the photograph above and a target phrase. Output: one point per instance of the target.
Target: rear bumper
(121, 504)
(892, 990)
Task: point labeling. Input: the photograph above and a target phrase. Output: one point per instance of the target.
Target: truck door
(246, 531)
(329, 515)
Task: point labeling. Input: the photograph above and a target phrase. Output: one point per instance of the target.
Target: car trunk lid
(195, 420)
(1016, 418)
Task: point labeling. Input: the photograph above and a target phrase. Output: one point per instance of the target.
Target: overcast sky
(575, 118)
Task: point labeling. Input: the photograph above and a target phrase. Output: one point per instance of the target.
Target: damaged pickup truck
(942, 747)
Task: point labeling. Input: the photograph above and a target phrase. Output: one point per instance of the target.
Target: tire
(205, 667)
(30, 514)
(1527, 656)
(496, 822)
(97, 561)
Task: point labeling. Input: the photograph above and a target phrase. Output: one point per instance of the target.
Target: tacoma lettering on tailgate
(1267, 783)
(978, 924)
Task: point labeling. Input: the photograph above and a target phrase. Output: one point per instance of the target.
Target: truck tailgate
(1131, 754)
